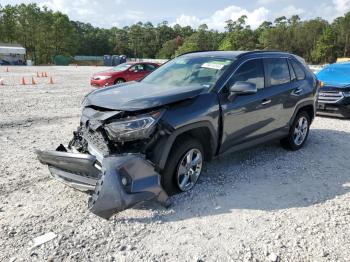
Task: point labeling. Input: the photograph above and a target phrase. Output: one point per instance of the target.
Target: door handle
(297, 91)
(266, 102)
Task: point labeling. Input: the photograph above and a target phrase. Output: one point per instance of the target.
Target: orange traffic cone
(51, 80)
(23, 82)
(37, 74)
(33, 81)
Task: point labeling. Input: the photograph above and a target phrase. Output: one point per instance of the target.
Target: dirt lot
(264, 204)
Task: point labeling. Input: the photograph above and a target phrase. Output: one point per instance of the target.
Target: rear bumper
(116, 184)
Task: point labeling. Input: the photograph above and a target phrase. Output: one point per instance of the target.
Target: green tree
(8, 24)
(200, 41)
(324, 51)
(169, 48)
(341, 27)
(239, 37)
(45, 33)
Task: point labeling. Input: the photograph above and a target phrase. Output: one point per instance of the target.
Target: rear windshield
(189, 72)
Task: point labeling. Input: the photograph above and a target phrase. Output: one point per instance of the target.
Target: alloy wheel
(301, 130)
(189, 169)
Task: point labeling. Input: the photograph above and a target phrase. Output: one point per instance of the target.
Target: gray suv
(149, 139)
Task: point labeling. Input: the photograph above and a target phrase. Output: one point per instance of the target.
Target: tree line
(45, 34)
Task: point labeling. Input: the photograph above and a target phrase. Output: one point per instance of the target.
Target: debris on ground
(38, 241)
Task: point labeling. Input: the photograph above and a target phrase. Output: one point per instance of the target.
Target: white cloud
(290, 10)
(132, 15)
(92, 11)
(218, 19)
(56, 5)
(332, 10)
(341, 6)
(185, 20)
(266, 2)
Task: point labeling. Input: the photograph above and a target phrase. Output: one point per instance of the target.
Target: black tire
(119, 81)
(289, 142)
(179, 150)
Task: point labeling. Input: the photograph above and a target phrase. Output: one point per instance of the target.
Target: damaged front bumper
(116, 183)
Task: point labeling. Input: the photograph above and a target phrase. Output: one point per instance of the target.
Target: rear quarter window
(299, 71)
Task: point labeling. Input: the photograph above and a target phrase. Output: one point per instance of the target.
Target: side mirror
(242, 88)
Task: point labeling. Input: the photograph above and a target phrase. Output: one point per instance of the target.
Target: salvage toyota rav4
(149, 139)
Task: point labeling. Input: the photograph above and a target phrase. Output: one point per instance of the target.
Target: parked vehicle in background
(4, 62)
(123, 73)
(334, 95)
(149, 139)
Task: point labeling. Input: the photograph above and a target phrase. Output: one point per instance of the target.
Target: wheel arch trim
(299, 107)
(172, 138)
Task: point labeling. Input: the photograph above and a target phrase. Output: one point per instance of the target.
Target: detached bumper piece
(120, 183)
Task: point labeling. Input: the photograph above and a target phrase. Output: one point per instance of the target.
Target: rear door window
(251, 71)
(299, 71)
(277, 71)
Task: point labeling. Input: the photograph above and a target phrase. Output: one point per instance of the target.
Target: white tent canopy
(8, 49)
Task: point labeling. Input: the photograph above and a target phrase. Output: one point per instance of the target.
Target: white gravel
(265, 204)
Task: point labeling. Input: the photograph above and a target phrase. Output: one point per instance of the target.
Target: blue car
(334, 95)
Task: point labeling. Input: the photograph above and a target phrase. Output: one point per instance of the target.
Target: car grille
(330, 97)
(96, 140)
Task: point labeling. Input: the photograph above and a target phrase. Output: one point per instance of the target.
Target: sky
(214, 13)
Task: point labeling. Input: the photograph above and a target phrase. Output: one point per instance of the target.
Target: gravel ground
(265, 204)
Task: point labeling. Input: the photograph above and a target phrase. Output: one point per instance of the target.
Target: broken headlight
(133, 128)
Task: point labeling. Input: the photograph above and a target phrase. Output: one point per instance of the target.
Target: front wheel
(184, 166)
(298, 133)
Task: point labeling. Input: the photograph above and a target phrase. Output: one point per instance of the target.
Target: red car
(123, 73)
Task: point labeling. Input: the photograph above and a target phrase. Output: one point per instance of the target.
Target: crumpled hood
(134, 96)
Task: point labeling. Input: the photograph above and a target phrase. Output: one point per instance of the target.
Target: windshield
(121, 67)
(189, 72)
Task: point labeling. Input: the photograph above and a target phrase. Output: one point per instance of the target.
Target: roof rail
(266, 51)
(245, 51)
(199, 51)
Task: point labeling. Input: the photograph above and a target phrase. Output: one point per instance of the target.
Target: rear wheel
(184, 166)
(119, 81)
(299, 132)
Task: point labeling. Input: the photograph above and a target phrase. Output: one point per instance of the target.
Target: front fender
(165, 144)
